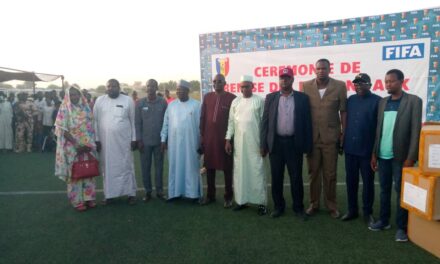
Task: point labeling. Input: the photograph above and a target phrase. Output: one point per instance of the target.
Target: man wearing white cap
(180, 134)
(244, 126)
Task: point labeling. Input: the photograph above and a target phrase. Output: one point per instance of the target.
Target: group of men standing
(235, 134)
(286, 125)
(151, 126)
(319, 122)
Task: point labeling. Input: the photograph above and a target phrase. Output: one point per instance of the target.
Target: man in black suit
(286, 134)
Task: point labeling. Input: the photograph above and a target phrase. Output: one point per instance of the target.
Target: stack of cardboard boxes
(421, 192)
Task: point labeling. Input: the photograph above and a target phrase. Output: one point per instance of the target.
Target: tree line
(100, 89)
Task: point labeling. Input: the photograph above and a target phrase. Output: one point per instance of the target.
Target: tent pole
(33, 82)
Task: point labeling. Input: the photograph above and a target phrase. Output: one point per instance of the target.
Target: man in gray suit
(148, 120)
(397, 144)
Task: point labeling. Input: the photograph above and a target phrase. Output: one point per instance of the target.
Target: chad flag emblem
(222, 66)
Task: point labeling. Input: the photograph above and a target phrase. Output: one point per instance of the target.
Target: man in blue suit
(286, 134)
(358, 144)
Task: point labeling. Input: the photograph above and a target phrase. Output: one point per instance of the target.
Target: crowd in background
(27, 121)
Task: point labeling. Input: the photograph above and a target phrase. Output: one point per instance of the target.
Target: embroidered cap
(362, 78)
(246, 78)
(185, 84)
(285, 72)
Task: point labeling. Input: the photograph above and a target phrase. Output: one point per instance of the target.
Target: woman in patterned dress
(75, 135)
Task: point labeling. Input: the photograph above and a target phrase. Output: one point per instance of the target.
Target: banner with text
(408, 41)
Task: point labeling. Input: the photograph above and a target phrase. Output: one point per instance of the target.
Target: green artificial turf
(43, 228)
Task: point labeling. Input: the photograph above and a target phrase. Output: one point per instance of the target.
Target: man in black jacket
(396, 146)
(286, 134)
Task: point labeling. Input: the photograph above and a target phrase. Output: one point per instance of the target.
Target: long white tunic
(47, 112)
(244, 126)
(6, 135)
(115, 129)
(181, 129)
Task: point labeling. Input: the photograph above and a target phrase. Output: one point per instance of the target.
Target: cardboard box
(420, 194)
(429, 150)
(424, 233)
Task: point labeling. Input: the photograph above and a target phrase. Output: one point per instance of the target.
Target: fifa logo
(400, 52)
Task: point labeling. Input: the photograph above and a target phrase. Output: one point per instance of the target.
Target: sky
(91, 41)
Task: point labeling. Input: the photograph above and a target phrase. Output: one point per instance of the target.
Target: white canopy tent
(8, 74)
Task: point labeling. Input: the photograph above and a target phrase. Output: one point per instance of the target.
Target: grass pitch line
(100, 190)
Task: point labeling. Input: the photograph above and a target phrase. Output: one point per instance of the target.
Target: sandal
(91, 204)
(81, 208)
(131, 200)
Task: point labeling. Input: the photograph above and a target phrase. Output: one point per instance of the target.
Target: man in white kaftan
(6, 134)
(114, 115)
(244, 127)
(180, 133)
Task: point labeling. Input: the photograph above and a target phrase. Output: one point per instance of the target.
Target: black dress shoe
(369, 219)
(131, 200)
(170, 200)
(239, 207)
(227, 204)
(161, 196)
(207, 200)
(147, 198)
(262, 210)
(276, 213)
(349, 216)
(302, 215)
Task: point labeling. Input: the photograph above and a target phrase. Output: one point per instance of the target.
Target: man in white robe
(115, 139)
(180, 134)
(244, 127)
(6, 134)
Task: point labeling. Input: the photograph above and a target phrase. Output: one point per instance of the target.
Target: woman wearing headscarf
(75, 135)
